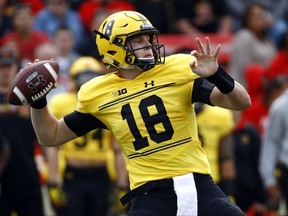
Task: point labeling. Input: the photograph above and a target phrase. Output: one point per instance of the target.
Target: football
(33, 82)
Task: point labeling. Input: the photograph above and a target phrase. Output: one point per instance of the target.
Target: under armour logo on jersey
(147, 84)
(33, 86)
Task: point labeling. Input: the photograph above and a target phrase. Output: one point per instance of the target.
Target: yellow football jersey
(93, 145)
(213, 124)
(152, 118)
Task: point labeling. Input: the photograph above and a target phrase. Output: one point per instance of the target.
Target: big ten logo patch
(119, 92)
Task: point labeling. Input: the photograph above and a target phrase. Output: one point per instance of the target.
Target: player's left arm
(228, 93)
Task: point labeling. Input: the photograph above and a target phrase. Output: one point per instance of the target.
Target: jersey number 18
(150, 122)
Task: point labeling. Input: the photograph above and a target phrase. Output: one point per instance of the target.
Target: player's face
(141, 46)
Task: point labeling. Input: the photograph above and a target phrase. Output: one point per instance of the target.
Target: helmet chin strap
(146, 67)
(146, 63)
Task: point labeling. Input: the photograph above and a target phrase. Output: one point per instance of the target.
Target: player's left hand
(57, 196)
(117, 206)
(206, 62)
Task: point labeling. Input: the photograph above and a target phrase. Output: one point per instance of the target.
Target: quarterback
(148, 104)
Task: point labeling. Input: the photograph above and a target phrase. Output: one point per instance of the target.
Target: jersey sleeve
(201, 91)
(81, 123)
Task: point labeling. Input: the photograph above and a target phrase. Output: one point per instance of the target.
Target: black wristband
(39, 104)
(224, 82)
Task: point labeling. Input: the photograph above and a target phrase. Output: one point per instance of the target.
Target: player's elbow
(248, 103)
(47, 138)
(245, 103)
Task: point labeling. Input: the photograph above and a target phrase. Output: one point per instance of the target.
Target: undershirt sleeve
(81, 123)
(201, 91)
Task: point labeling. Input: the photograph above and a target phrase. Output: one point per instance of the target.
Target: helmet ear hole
(128, 59)
(118, 41)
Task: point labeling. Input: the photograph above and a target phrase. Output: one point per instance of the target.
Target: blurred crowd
(248, 151)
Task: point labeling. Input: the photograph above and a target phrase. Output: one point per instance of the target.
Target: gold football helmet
(113, 36)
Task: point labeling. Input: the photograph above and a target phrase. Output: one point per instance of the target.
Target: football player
(148, 104)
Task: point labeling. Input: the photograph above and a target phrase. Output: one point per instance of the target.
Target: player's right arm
(49, 130)
(53, 132)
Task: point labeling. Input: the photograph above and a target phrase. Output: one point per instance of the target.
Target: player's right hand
(57, 196)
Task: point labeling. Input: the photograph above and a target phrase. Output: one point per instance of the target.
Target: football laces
(44, 92)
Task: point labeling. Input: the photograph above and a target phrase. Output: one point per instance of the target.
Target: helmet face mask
(113, 41)
(149, 62)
